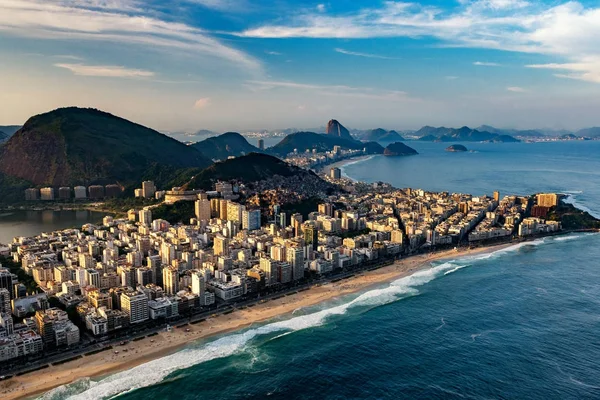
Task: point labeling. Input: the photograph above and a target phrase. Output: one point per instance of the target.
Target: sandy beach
(165, 343)
(342, 163)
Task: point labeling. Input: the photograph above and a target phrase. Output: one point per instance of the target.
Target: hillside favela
(405, 203)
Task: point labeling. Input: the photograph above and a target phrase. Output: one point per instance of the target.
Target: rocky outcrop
(399, 149)
(334, 128)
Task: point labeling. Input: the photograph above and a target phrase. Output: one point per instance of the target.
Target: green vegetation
(181, 211)
(303, 141)
(25, 279)
(304, 207)
(251, 168)
(225, 145)
(455, 148)
(465, 134)
(72, 146)
(572, 218)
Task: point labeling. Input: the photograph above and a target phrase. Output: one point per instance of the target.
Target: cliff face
(73, 146)
(334, 128)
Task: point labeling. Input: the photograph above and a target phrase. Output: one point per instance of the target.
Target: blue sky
(249, 64)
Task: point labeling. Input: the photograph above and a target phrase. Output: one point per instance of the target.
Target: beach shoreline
(342, 163)
(154, 347)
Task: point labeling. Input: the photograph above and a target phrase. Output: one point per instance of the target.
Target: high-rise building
(296, 222)
(335, 173)
(271, 270)
(234, 212)
(6, 280)
(146, 217)
(547, 199)
(112, 190)
(167, 253)
(64, 193)
(80, 192)
(202, 208)
(4, 301)
(47, 193)
(261, 144)
(283, 220)
(221, 246)
(311, 234)
(135, 304)
(96, 191)
(295, 256)
(171, 280)
(223, 209)
(32, 194)
(497, 196)
(198, 283)
(148, 189)
(325, 209)
(55, 328)
(251, 220)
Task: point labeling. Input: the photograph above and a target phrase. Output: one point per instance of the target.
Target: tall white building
(171, 280)
(198, 283)
(135, 304)
(146, 217)
(295, 256)
(148, 189)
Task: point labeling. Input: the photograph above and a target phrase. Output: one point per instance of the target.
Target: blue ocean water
(517, 323)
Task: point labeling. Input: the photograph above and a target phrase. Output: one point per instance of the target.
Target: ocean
(521, 322)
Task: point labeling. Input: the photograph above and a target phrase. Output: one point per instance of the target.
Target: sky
(227, 65)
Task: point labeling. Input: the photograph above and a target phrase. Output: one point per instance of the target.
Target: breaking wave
(158, 370)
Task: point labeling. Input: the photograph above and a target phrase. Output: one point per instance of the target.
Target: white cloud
(115, 21)
(516, 89)
(202, 103)
(568, 30)
(274, 53)
(359, 54)
(321, 8)
(486, 64)
(332, 90)
(588, 69)
(111, 71)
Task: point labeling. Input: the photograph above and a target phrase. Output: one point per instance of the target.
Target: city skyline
(241, 65)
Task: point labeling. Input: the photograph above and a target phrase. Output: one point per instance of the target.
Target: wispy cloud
(117, 21)
(202, 103)
(111, 71)
(321, 8)
(359, 54)
(588, 69)
(332, 90)
(486, 64)
(274, 53)
(565, 29)
(516, 89)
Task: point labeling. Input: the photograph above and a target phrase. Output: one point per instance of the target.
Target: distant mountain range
(223, 146)
(71, 146)
(381, 135)
(302, 141)
(464, 134)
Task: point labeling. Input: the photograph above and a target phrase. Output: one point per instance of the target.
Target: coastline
(165, 343)
(348, 161)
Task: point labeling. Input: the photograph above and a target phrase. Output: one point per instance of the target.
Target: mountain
(512, 132)
(303, 141)
(225, 145)
(399, 149)
(381, 135)
(253, 167)
(3, 136)
(71, 146)
(464, 134)
(9, 129)
(589, 132)
(334, 128)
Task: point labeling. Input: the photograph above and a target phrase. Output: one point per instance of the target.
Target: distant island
(456, 148)
(399, 149)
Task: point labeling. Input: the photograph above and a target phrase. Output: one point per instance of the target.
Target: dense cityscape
(138, 273)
